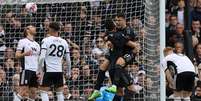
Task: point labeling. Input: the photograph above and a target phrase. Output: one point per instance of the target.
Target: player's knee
(24, 92)
(103, 68)
(59, 89)
(131, 88)
(104, 65)
(120, 92)
(44, 88)
(32, 93)
(121, 61)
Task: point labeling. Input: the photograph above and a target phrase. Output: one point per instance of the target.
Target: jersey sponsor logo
(33, 49)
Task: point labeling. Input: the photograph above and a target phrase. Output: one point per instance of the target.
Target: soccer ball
(31, 7)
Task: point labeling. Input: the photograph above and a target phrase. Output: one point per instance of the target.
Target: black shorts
(185, 81)
(54, 79)
(125, 78)
(129, 58)
(28, 78)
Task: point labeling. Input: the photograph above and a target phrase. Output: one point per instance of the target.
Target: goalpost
(82, 23)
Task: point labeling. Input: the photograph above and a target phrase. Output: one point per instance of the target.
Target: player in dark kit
(118, 75)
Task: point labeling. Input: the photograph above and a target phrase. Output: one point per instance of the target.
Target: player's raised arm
(68, 61)
(134, 45)
(42, 55)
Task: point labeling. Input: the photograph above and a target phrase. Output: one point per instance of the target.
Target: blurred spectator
(180, 12)
(67, 32)
(136, 24)
(9, 69)
(172, 25)
(9, 53)
(2, 43)
(197, 94)
(25, 17)
(180, 32)
(2, 81)
(141, 77)
(17, 68)
(167, 18)
(16, 82)
(14, 33)
(75, 93)
(86, 76)
(88, 88)
(134, 68)
(75, 77)
(66, 92)
(50, 95)
(196, 12)
(76, 57)
(172, 5)
(100, 48)
(196, 29)
(42, 30)
(198, 59)
(2, 38)
(97, 21)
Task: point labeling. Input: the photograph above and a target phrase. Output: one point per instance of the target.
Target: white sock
(187, 99)
(177, 98)
(16, 97)
(44, 96)
(60, 96)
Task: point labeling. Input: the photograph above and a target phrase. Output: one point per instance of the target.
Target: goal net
(82, 25)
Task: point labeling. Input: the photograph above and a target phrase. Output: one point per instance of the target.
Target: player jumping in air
(118, 74)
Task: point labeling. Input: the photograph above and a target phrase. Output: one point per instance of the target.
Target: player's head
(167, 51)
(110, 25)
(30, 30)
(54, 28)
(179, 47)
(120, 20)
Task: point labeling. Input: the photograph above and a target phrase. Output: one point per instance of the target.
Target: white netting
(82, 25)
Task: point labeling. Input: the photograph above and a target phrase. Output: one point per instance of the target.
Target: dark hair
(198, 84)
(120, 15)
(55, 26)
(109, 24)
(25, 31)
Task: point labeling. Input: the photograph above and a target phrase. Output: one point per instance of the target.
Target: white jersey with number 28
(55, 48)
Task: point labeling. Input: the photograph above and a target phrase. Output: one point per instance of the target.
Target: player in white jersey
(53, 49)
(180, 74)
(28, 52)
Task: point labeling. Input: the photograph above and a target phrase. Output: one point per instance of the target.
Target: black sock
(118, 98)
(117, 74)
(100, 79)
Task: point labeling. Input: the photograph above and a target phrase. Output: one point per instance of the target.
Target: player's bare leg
(32, 92)
(23, 92)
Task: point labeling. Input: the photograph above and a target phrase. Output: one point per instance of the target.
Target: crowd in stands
(82, 26)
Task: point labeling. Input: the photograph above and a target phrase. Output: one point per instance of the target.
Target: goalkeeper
(118, 74)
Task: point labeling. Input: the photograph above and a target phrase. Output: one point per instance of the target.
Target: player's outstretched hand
(28, 53)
